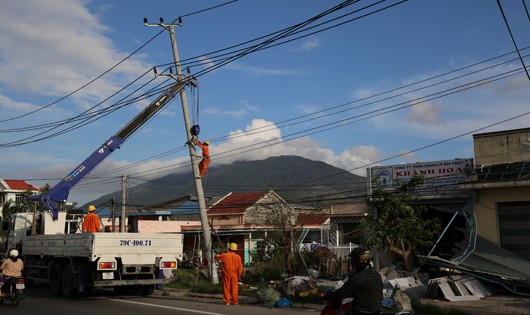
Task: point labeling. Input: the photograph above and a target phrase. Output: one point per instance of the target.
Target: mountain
(296, 179)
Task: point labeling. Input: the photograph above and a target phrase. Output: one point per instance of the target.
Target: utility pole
(193, 154)
(123, 195)
(113, 215)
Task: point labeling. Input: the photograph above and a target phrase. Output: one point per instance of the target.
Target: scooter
(344, 308)
(13, 290)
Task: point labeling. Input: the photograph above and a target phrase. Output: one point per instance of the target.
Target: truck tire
(56, 279)
(68, 282)
(148, 289)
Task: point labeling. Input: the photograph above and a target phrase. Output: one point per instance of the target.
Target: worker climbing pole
(190, 136)
(205, 147)
(195, 131)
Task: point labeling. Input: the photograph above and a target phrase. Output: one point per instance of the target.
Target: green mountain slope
(296, 179)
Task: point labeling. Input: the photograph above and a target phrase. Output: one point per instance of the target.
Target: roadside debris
(401, 289)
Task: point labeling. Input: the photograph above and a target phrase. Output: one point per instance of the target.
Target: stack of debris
(400, 289)
(459, 288)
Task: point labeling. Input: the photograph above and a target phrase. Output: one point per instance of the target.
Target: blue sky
(363, 89)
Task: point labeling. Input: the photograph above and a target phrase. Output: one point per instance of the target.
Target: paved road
(40, 300)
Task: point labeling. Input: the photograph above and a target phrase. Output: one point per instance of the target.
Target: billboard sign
(440, 177)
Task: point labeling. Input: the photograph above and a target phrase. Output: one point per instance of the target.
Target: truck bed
(132, 248)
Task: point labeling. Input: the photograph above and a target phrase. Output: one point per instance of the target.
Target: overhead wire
(86, 117)
(111, 68)
(388, 109)
(22, 142)
(87, 84)
(352, 119)
(513, 39)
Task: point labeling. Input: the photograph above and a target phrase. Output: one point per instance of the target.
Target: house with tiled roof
(12, 189)
(245, 218)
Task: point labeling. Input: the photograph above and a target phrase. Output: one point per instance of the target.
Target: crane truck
(74, 263)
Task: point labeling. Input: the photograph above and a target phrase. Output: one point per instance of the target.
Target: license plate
(20, 286)
(108, 275)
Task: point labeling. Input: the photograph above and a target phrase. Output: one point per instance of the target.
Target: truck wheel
(68, 282)
(56, 279)
(148, 289)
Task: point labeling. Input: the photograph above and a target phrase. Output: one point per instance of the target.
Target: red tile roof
(16, 184)
(236, 202)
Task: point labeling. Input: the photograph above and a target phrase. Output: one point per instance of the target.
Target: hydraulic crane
(59, 193)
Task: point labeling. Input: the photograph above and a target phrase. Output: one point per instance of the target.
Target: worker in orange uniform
(91, 222)
(203, 165)
(232, 270)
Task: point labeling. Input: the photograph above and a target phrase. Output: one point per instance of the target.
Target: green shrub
(184, 277)
(206, 287)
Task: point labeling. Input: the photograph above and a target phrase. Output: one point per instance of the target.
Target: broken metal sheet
(459, 289)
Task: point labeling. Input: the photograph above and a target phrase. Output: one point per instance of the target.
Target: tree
(395, 221)
(281, 224)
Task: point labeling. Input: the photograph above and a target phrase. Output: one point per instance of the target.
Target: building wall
(269, 205)
(494, 148)
(501, 147)
(486, 209)
(225, 219)
(348, 208)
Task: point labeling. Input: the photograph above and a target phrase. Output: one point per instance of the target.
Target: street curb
(243, 299)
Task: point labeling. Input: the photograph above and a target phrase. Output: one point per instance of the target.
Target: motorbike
(344, 308)
(13, 290)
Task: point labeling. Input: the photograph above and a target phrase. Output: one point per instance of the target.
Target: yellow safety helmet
(207, 142)
(232, 246)
(91, 208)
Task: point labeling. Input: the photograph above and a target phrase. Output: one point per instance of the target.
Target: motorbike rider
(364, 284)
(11, 267)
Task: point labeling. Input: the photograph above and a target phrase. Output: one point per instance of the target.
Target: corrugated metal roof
(236, 202)
(490, 258)
(492, 263)
(506, 171)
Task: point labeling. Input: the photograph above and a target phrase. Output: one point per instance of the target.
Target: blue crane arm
(59, 193)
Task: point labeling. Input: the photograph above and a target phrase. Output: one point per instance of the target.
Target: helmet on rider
(13, 253)
(361, 258)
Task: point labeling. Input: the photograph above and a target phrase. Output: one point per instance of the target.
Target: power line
(254, 48)
(513, 39)
(349, 120)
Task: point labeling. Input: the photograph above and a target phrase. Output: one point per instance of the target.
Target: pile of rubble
(415, 286)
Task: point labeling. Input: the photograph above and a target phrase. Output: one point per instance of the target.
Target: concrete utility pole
(123, 196)
(193, 154)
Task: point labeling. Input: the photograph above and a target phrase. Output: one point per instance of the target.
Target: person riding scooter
(11, 267)
(364, 284)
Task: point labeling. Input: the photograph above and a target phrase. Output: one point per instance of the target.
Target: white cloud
(310, 44)
(244, 109)
(426, 113)
(257, 71)
(262, 139)
(208, 62)
(10, 104)
(39, 55)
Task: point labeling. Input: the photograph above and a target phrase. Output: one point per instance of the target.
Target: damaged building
(496, 243)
